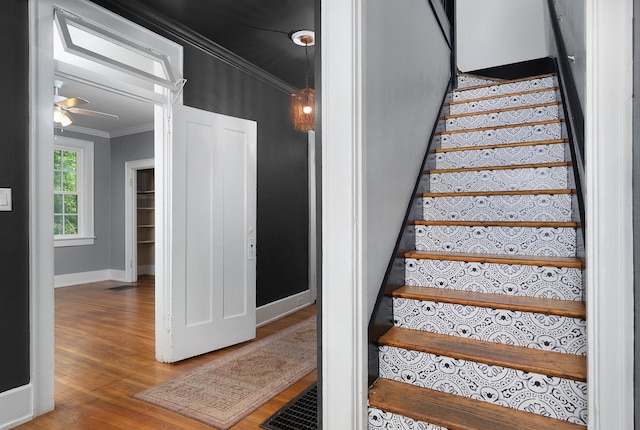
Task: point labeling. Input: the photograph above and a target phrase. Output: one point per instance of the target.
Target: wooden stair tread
(499, 193)
(549, 363)
(498, 127)
(526, 260)
(530, 224)
(507, 167)
(499, 96)
(566, 308)
(456, 412)
(509, 109)
(501, 145)
(509, 81)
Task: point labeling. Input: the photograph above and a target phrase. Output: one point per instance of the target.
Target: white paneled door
(213, 234)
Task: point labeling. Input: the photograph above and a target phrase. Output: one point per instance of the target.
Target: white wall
(406, 72)
(571, 17)
(497, 32)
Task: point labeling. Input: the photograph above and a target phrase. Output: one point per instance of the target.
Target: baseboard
(283, 307)
(16, 406)
(87, 277)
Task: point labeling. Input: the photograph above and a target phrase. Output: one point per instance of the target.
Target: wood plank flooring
(104, 352)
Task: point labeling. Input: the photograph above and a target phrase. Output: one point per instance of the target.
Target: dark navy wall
(215, 85)
(14, 169)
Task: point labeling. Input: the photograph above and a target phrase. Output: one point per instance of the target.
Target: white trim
(83, 130)
(609, 238)
(344, 319)
(131, 130)
(283, 307)
(41, 71)
(313, 225)
(85, 190)
(16, 406)
(69, 279)
(130, 215)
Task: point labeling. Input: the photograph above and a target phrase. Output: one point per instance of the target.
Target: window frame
(85, 191)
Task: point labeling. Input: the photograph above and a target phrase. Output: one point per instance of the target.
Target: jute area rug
(225, 390)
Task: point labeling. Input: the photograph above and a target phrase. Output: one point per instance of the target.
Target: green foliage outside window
(65, 197)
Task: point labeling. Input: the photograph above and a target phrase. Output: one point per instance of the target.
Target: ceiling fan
(63, 107)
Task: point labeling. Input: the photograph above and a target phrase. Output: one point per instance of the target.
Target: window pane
(70, 204)
(57, 204)
(57, 181)
(71, 224)
(69, 161)
(57, 159)
(69, 181)
(57, 224)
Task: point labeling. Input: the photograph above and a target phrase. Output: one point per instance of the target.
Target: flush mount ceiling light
(303, 101)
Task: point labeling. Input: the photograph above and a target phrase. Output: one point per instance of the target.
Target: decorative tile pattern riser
(532, 330)
(540, 394)
(541, 178)
(528, 133)
(465, 81)
(504, 102)
(513, 279)
(383, 420)
(535, 241)
(514, 87)
(511, 117)
(541, 207)
(500, 156)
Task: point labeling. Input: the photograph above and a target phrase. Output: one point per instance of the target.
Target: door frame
(40, 391)
(130, 215)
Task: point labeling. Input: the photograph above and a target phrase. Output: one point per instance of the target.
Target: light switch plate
(5, 199)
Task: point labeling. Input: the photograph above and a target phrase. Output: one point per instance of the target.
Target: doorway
(140, 225)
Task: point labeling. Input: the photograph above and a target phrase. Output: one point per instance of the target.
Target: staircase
(489, 332)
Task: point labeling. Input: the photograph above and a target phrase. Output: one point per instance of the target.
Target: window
(72, 192)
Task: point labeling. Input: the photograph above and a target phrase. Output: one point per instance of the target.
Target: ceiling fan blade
(94, 113)
(72, 102)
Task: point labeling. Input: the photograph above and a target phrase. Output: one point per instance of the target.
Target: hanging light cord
(306, 71)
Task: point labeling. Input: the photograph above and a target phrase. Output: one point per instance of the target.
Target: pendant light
(303, 102)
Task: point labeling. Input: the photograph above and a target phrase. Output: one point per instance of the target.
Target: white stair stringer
(544, 95)
(523, 207)
(533, 178)
(488, 90)
(533, 330)
(560, 283)
(555, 397)
(535, 241)
(534, 154)
(549, 130)
(466, 80)
(506, 117)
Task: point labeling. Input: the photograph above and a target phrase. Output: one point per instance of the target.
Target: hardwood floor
(104, 352)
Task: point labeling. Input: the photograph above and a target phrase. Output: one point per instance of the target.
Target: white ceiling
(134, 115)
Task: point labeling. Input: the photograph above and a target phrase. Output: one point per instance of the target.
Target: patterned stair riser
(558, 398)
(528, 133)
(514, 87)
(465, 81)
(539, 242)
(532, 330)
(541, 207)
(512, 100)
(500, 156)
(541, 178)
(511, 117)
(513, 279)
(379, 419)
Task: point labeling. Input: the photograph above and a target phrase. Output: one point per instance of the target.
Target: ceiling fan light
(61, 117)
